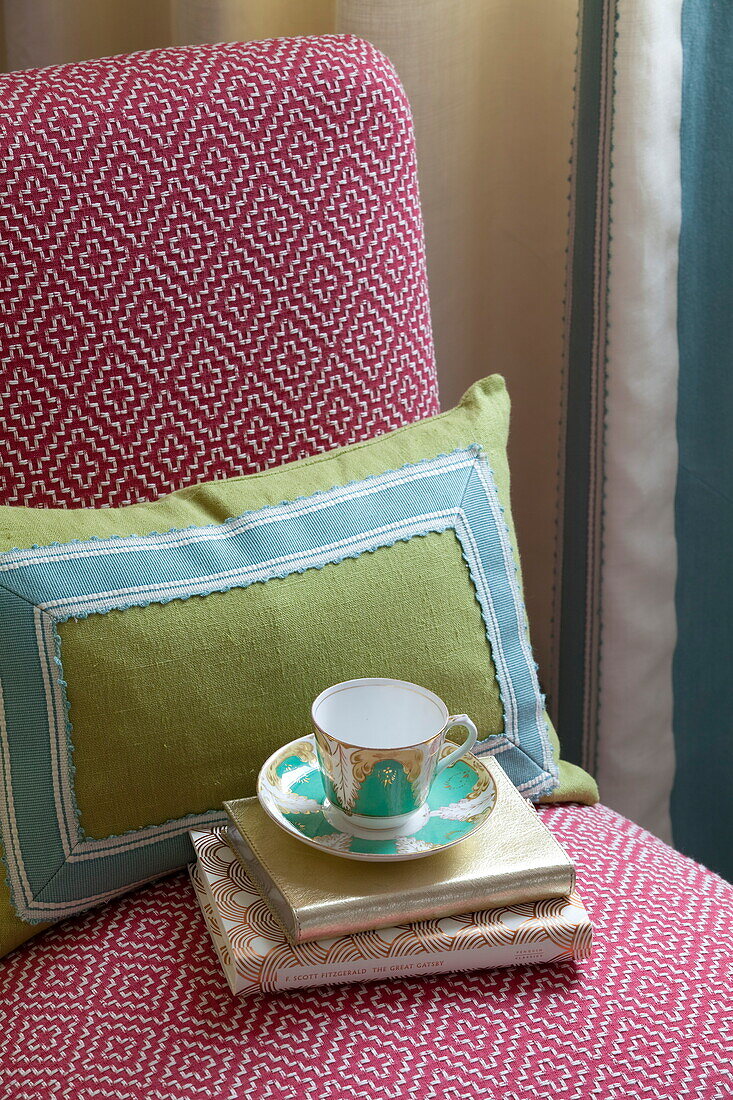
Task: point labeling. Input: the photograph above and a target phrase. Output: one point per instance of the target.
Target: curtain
(618, 621)
(646, 619)
(635, 757)
(702, 807)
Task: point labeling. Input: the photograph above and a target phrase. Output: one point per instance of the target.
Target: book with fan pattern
(257, 956)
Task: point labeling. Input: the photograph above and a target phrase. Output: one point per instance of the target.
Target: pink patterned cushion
(213, 262)
(129, 1002)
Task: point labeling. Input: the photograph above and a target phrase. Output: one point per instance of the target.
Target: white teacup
(379, 743)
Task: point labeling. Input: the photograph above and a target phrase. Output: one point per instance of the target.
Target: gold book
(513, 858)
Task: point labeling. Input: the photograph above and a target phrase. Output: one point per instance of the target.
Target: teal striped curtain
(646, 633)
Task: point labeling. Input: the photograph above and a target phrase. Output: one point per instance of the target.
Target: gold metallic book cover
(255, 954)
(513, 858)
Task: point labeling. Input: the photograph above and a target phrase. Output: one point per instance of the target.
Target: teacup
(379, 745)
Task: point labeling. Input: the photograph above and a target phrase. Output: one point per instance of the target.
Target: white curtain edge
(635, 738)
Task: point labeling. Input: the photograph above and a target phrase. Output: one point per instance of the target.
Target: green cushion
(174, 704)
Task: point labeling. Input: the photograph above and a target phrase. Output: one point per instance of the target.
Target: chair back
(212, 262)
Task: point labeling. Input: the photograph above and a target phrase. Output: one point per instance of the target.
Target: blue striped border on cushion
(53, 869)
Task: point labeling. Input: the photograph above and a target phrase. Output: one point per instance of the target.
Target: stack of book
(284, 916)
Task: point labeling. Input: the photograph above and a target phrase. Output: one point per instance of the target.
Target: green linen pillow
(146, 677)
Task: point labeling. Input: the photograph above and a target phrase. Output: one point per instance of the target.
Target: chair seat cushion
(128, 1002)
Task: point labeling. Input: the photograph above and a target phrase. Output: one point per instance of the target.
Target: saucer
(290, 789)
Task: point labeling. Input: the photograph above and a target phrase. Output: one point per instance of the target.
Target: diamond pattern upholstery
(128, 1003)
(213, 262)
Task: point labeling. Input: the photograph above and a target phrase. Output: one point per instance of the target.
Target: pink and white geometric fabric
(129, 1003)
(212, 262)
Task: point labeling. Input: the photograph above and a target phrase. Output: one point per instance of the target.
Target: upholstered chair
(213, 263)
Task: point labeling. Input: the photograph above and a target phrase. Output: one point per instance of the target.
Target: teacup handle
(461, 750)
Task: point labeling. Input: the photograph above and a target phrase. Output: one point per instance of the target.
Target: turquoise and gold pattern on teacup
(376, 782)
(291, 789)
